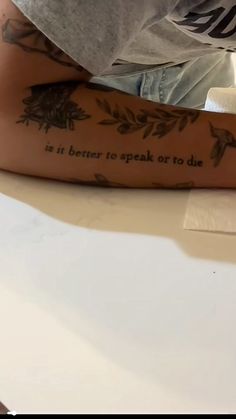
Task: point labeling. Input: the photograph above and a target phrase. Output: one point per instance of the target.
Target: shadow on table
(166, 330)
(147, 212)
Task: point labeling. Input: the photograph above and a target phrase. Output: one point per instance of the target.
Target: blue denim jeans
(183, 85)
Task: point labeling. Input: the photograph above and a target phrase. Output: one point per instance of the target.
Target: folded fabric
(221, 100)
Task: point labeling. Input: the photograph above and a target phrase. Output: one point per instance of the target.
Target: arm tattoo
(184, 185)
(224, 139)
(156, 123)
(99, 180)
(50, 106)
(31, 40)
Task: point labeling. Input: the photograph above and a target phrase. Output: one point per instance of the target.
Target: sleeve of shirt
(93, 32)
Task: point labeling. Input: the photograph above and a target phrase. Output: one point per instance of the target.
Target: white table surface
(108, 305)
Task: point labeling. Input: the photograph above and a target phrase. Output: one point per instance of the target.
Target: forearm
(112, 139)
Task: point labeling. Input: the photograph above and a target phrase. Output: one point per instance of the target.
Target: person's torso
(193, 29)
(110, 37)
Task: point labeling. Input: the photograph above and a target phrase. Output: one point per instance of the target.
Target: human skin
(55, 124)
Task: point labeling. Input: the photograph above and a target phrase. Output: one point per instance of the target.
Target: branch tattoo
(157, 123)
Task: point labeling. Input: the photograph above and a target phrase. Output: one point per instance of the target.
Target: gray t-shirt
(128, 36)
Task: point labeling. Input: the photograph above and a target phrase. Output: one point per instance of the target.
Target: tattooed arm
(65, 129)
(88, 134)
(28, 57)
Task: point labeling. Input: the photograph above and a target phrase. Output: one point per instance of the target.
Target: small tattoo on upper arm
(224, 140)
(99, 180)
(51, 106)
(157, 123)
(31, 40)
(184, 185)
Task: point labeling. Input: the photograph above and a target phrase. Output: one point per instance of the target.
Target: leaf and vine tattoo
(31, 40)
(51, 106)
(99, 180)
(224, 139)
(157, 123)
